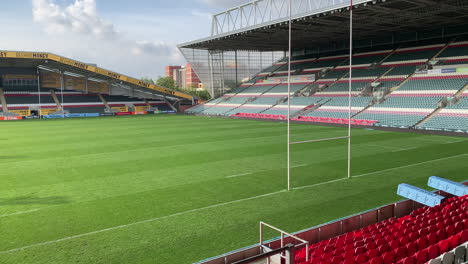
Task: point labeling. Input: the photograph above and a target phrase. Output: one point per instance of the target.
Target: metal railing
(304, 243)
(260, 12)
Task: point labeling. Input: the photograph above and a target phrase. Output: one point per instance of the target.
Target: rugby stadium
(337, 133)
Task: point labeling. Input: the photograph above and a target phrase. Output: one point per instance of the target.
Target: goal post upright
(350, 83)
(289, 97)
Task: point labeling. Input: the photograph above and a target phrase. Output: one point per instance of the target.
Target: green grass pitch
(178, 189)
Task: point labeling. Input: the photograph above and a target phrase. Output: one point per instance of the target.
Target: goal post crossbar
(317, 140)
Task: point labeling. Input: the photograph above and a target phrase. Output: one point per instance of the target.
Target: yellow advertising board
(50, 80)
(75, 83)
(98, 87)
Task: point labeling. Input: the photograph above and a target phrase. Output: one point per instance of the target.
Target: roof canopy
(371, 19)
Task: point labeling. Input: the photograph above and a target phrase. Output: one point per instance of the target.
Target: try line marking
(209, 207)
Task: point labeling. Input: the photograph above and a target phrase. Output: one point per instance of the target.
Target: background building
(184, 76)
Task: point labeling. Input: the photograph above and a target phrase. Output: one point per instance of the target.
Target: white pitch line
(17, 213)
(137, 223)
(405, 149)
(300, 165)
(318, 184)
(406, 166)
(238, 175)
(384, 146)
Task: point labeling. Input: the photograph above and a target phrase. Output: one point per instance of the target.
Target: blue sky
(136, 37)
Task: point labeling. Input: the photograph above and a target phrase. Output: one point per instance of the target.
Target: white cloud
(225, 3)
(86, 35)
(78, 17)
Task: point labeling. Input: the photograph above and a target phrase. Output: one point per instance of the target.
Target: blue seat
(448, 186)
(419, 195)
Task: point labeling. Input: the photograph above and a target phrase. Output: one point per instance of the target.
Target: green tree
(148, 80)
(167, 82)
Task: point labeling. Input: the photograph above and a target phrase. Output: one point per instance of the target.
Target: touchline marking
(137, 223)
(406, 166)
(238, 175)
(17, 213)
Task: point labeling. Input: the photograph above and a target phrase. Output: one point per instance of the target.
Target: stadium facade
(34, 84)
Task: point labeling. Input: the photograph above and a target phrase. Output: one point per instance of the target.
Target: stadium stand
(392, 87)
(416, 238)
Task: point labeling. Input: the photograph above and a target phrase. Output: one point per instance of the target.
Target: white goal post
(289, 143)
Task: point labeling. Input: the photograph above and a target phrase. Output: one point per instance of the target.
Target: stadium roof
(325, 25)
(49, 60)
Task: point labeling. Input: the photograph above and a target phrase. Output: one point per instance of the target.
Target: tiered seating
(72, 101)
(413, 239)
(409, 102)
(343, 86)
(283, 88)
(455, 53)
(414, 54)
(452, 118)
(23, 99)
(338, 107)
(370, 57)
(376, 73)
(257, 89)
(297, 103)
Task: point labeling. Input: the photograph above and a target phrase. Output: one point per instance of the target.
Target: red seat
(423, 232)
(372, 253)
(422, 243)
(404, 240)
(360, 259)
(376, 260)
(408, 260)
(327, 256)
(388, 258)
(384, 248)
(411, 248)
(433, 251)
(370, 245)
(349, 254)
(431, 239)
(337, 259)
(454, 241)
(421, 256)
(400, 253)
(348, 261)
(359, 251)
(458, 227)
(450, 230)
(441, 234)
(443, 246)
(464, 236)
(414, 236)
(395, 244)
